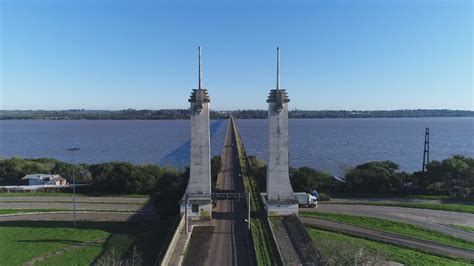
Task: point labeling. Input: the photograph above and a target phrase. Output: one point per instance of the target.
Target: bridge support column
(280, 196)
(198, 191)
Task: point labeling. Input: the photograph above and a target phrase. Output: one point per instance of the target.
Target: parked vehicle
(306, 200)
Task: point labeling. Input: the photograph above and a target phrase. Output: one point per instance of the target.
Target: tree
(216, 165)
(374, 177)
(307, 179)
(453, 176)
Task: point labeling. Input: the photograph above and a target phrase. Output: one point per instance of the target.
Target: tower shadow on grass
(143, 230)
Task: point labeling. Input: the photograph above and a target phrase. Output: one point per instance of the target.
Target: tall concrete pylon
(280, 196)
(196, 203)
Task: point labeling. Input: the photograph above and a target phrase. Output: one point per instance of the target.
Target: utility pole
(426, 150)
(73, 183)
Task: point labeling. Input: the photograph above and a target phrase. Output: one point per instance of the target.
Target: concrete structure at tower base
(199, 207)
(281, 208)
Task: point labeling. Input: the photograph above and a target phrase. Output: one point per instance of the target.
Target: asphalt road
(391, 238)
(229, 243)
(83, 199)
(401, 200)
(82, 203)
(79, 206)
(430, 219)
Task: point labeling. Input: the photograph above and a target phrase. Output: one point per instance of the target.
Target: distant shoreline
(175, 114)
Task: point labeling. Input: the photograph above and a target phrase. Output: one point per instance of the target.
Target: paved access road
(82, 203)
(391, 238)
(430, 219)
(83, 199)
(88, 208)
(401, 200)
(80, 216)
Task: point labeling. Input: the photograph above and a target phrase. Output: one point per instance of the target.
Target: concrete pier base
(197, 209)
(275, 208)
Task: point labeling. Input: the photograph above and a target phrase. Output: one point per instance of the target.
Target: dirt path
(431, 219)
(391, 238)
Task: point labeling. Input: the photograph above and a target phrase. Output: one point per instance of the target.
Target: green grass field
(21, 244)
(393, 227)
(22, 241)
(343, 249)
(438, 207)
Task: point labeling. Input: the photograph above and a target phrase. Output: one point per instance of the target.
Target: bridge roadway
(230, 244)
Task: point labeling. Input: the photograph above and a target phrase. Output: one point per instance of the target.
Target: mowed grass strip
(341, 248)
(429, 206)
(393, 227)
(463, 227)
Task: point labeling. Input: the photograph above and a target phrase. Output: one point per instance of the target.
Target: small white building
(44, 179)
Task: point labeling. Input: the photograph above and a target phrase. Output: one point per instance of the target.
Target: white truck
(306, 200)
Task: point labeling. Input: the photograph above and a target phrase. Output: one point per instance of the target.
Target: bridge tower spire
(278, 69)
(280, 196)
(200, 69)
(196, 202)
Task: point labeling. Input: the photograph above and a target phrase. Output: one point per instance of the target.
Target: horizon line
(222, 110)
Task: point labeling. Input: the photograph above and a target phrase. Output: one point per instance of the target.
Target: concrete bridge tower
(196, 202)
(280, 197)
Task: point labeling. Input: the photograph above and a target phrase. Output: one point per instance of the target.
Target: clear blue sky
(104, 54)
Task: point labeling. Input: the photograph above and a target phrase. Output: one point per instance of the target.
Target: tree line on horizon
(453, 176)
(163, 114)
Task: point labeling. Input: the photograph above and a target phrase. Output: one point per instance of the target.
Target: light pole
(73, 183)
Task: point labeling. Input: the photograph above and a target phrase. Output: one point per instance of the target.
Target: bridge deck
(229, 243)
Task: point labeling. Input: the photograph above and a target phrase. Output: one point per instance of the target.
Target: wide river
(326, 144)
